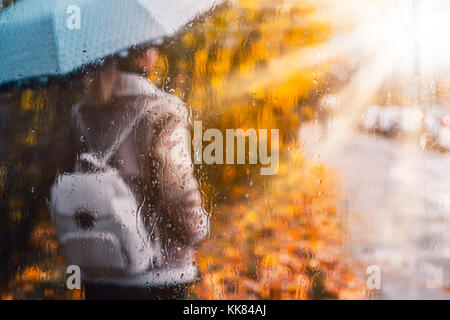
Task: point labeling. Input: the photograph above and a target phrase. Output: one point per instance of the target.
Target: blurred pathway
(398, 199)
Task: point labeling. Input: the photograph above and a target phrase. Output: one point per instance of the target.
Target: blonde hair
(6, 3)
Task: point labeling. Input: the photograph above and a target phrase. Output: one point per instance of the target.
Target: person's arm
(178, 188)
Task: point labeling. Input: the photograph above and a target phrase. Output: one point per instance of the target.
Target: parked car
(403, 120)
(437, 123)
(392, 120)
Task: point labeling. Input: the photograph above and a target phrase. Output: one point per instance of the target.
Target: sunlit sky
(405, 38)
(403, 31)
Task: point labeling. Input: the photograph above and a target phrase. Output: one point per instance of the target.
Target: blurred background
(360, 93)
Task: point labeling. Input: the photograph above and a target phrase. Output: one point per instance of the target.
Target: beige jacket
(155, 162)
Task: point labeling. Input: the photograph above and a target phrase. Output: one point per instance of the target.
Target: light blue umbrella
(40, 38)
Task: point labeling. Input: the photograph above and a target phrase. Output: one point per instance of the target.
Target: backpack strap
(125, 133)
(101, 162)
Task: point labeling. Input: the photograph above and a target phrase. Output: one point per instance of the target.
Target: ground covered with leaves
(284, 242)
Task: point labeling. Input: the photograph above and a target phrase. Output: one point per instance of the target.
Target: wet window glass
(241, 149)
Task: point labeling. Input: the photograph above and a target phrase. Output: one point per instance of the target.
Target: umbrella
(55, 37)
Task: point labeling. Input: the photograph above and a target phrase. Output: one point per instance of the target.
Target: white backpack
(97, 220)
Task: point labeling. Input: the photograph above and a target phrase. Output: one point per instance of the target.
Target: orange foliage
(283, 242)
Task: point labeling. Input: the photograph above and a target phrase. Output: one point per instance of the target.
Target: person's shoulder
(159, 103)
(165, 105)
(131, 85)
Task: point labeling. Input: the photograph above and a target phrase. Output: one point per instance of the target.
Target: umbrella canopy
(56, 37)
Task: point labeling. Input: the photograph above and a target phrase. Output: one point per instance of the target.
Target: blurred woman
(154, 161)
